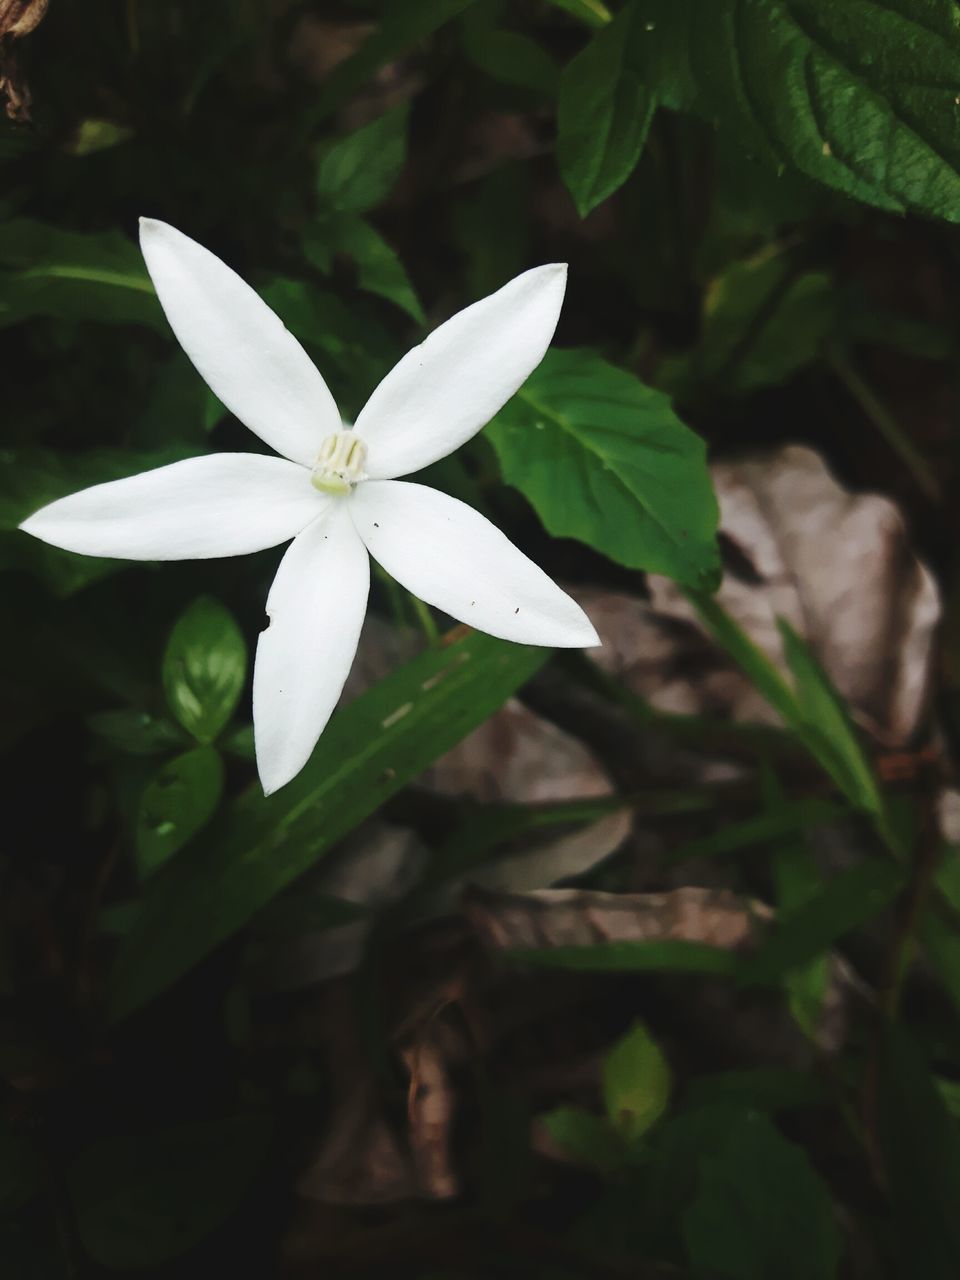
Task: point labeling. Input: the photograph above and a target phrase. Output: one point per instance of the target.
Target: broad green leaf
(370, 749)
(74, 275)
(94, 134)
(587, 1138)
(761, 1211)
(140, 1201)
(670, 956)
(636, 1083)
(30, 478)
(603, 458)
(356, 172)
(846, 901)
(204, 667)
(401, 27)
(858, 95)
(604, 113)
(920, 1148)
(180, 798)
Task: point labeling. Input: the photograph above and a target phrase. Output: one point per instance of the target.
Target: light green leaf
(370, 749)
(94, 134)
(140, 1201)
(636, 1084)
(603, 458)
(204, 667)
(180, 799)
(761, 1211)
(74, 275)
(356, 172)
(859, 95)
(604, 114)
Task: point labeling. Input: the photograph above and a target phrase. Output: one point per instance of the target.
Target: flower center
(339, 463)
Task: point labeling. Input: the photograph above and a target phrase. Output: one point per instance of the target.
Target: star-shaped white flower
(334, 491)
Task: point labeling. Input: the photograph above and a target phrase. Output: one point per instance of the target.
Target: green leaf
(846, 901)
(204, 668)
(672, 956)
(379, 269)
(757, 1088)
(603, 458)
(593, 12)
(587, 1138)
(370, 749)
(179, 799)
(827, 726)
(74, 275)
(140, 1201)
(356, 172)
(604, 113)
(136, 732)
(636, 1084)
(920, 1148)
(761, 1211)
(506, 55)
(858, 95)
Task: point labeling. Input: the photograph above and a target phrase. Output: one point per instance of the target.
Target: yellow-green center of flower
(339, 463)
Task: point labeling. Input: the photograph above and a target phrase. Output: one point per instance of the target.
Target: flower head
(334, 490)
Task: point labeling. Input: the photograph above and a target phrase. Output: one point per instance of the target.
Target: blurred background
(638, 963)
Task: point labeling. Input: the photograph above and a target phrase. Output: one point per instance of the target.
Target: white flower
(334, 491)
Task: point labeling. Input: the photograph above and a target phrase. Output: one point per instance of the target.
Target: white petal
(223, 504)
(316, 607)
(442, 392)
(454, 558)
(247, 356)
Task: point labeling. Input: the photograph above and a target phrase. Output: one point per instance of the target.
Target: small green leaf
(587, 1138)
(603, 458)
(761, 1211)
(140, 1201)
(604, 114)
(258, 846)
(204, 667)
(356, 172)
(179, 799)
(136, 732)
(636, 1084)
